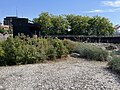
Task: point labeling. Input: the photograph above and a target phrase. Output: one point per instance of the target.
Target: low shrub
(51, 53)
(91, 52)
(25, 50)
(60, 47)
(114, 64)
(2, 31)
(116, 52)
(2, 55)
(69, 44)
(10, 48)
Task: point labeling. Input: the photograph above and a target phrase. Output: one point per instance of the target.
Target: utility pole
(16, 12)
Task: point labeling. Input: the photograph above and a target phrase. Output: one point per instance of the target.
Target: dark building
(8, 20)
(22, 26)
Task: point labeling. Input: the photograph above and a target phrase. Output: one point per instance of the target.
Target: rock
(2, 88)
(75, 55)
(111, 47)
(70, 74)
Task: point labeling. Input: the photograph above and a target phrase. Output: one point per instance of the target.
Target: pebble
(70, 74)
(2, 88)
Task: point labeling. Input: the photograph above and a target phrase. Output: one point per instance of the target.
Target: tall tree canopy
(100, 26)
(60, 25)
(79, 25)
(44, 20)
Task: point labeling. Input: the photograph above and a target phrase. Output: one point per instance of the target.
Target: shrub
(60, 48)
(25, 50)
(9, 47)
(41, 46)
(2, 31)
(91, 52)
(70, 45)
(2, 55)
(51, 53)
(114, 64)
(28, 54)
(116, 52)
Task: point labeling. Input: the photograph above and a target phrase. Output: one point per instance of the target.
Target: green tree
(44, 20)
(79, 24)
(60, 25)
(100, 26)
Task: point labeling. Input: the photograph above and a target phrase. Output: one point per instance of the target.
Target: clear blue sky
(32, 8)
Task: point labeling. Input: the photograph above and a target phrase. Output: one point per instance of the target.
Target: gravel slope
(72, 74)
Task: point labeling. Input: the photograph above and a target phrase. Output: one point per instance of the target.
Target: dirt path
(72, 74)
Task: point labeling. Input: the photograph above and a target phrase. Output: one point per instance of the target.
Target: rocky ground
(70, 74)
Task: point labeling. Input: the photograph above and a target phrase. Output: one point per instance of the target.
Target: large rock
(111, 47)
(2, 88)
(76, 55)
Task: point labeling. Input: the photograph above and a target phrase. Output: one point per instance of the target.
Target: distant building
(22, 26)
(8, 20)
(117, 29)
(5, 27)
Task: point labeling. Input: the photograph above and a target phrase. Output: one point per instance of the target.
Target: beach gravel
(70, 74)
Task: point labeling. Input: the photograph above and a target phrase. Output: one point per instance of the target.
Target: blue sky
(32, 8)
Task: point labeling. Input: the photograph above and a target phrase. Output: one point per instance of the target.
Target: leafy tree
(44, 20)
(79, 24)
(100, 26)
(60, 25)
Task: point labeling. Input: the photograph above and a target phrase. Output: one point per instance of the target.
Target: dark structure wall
(22, 26)
(91, 39)
(8, 20)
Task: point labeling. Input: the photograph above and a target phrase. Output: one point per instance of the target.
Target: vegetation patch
(74, 25)
(114, 64)
(25, 50)
(2, 31)
(70, 45)
(91, 52)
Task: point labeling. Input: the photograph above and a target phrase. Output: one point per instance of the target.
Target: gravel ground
(70, 74)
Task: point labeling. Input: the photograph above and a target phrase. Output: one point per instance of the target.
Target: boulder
(2, 88)
(111, 47)
(76, 55)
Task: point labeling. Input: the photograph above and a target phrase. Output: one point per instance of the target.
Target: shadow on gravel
(115, 73)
